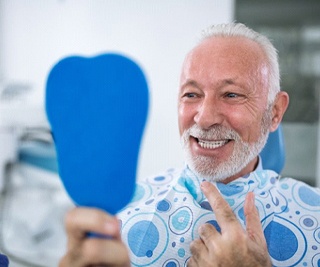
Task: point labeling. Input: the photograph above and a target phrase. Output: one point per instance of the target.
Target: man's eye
(231, 95)
(190, 95)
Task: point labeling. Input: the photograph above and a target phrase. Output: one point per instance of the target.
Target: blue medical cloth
(168, 209)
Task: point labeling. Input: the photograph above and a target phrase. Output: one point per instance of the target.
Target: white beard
(243, 152)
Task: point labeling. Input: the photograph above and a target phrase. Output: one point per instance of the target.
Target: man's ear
(280, 106)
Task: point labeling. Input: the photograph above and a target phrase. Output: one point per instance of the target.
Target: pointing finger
(221, 208)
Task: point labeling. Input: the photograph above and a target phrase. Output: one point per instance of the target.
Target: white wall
(37, 33)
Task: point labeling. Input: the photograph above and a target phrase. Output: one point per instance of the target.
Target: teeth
(212, 144)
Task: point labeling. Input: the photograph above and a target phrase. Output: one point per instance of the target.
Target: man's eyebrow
(191, 83)
(221, 83)
(229, 81)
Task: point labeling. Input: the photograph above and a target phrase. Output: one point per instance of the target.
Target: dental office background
(35, 34)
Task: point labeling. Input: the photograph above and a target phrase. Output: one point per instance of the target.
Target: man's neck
(249, 168)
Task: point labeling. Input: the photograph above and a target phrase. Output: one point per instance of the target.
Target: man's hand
(233, 246)
(93, 251)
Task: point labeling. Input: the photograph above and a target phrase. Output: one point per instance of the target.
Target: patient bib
(168, 209)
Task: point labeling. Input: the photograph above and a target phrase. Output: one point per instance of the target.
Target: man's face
(223, 116)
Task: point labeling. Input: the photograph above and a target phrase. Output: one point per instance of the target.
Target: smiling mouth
(212, 144)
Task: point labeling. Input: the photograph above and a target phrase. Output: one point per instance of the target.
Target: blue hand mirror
(97, 108)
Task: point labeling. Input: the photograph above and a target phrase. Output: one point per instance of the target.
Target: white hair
(240, 30)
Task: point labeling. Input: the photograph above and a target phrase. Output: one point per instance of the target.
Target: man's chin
(207, 172)
(214, 171)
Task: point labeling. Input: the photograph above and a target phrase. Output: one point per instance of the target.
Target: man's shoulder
(289, 181)
(302, 193)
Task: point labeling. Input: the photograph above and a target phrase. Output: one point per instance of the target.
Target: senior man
(223, 208)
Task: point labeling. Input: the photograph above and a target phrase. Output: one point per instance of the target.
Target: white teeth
(212, 144)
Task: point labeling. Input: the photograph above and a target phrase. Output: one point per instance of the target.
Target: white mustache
(217, 132)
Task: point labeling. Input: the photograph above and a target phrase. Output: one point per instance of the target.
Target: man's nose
(209, 114)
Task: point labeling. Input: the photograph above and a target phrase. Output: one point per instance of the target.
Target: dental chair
(273, 154)
(33, 207)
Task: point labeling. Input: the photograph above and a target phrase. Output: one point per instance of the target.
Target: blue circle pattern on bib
(167, 210)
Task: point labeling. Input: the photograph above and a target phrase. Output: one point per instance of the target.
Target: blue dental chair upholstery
(273, 154)
(39, 154)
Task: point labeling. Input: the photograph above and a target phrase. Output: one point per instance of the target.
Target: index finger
(80, 221)
(219, 205)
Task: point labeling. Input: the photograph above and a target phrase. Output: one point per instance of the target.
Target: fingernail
(204, 185)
